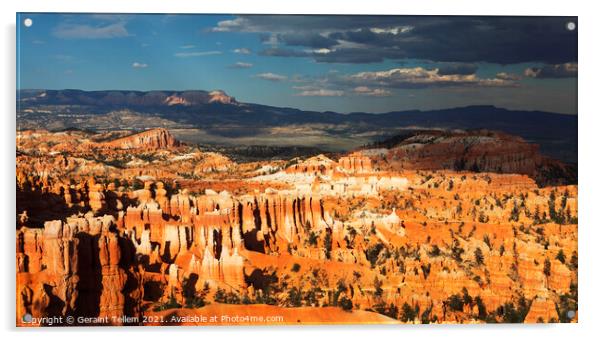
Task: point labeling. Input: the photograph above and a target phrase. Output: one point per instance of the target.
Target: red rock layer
(150, 139)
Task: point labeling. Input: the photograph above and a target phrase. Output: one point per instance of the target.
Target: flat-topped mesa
(150, 139)
(175, 100)
(219, 96)
(458, 150)
(188, 99)
(475, 151)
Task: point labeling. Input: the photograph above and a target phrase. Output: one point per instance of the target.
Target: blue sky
(337, 63)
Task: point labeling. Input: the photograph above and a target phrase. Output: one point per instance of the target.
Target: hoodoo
(150, 224)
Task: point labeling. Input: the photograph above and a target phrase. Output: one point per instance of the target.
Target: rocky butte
(458, 227)
(150, 139)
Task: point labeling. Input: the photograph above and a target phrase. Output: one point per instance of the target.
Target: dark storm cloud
(283, 52)
(324, 55)
(313, 40)
(296, 23)
(502, 40)
(457, 68)
(567, 70)
(354, 56)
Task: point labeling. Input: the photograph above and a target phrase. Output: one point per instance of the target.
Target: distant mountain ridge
(220, 115)
(124, 98)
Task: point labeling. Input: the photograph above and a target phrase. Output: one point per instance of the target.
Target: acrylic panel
(217, 169)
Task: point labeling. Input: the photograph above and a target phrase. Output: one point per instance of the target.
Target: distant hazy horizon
(324, 111)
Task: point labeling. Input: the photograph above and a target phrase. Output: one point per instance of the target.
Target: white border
(589, 162)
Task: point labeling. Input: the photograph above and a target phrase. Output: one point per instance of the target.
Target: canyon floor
(137, 228)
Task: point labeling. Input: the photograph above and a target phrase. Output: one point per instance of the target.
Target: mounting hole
(570, 314)
(571, 26)
(27, 22)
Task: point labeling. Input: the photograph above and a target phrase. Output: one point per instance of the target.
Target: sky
(323, 63)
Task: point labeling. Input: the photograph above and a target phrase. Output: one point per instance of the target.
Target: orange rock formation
(144, 226)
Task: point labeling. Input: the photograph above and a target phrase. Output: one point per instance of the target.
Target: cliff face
(476, 151)
(78, 267)
(150, 139)
(355, 162)
(89, 269)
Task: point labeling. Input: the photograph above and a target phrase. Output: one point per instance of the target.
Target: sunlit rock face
(148, 224)
(475, 151)
(356, 163)
(150, 139)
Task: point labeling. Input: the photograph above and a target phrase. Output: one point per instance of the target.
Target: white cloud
(139, 65)
(320, 93)
(392, 30)
(366, 91)
(419, 77)
(196, 54)
(321, 51)
(241, 64)
(507, 76)
(230, 25)
(306, 87)
(187, 47)
(567, 70)
(80, 31)
(242, 50)
(272, 76)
